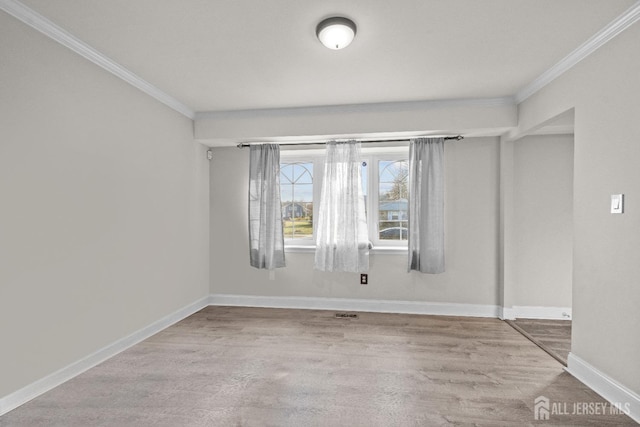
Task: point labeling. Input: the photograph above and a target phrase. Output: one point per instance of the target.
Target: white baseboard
(533, 312)
(366, 305)
(605, 386)
(35, 389)
(599, 382)
(506, 313)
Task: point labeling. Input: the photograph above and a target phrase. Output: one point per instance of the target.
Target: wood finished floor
(226, 366)
(553, 336)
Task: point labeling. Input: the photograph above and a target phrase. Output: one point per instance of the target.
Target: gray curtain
(266, 240)
(426, 205)
(342, 241)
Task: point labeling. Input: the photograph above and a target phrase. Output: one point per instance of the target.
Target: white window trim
(373, 160)
(317, 158)
(370, 155)
(376, 250)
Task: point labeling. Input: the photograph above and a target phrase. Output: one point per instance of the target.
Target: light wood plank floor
(227, 366)
(553, 336)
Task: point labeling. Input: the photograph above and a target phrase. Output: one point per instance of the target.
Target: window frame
(316, 157)
(372, 156)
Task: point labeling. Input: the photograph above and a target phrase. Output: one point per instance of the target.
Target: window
(384, 180)
(388, 187)
(296, 193)
(300, 177)
(393, 195)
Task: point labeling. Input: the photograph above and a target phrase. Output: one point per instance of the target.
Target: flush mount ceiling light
(336, 33)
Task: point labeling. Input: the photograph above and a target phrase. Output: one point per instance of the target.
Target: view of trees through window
(296, 193)
(393, 199)
(389, 207)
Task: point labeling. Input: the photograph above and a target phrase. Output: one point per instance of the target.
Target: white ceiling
(222, 55)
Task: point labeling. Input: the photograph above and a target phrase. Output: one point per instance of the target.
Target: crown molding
(53, 31)
(360, 108)
(30, 17)
(615, 27)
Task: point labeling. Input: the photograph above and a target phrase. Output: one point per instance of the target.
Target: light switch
(617, 203)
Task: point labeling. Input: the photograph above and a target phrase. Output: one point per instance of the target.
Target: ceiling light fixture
(336, 32)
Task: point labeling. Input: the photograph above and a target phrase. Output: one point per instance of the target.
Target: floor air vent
(346, 315)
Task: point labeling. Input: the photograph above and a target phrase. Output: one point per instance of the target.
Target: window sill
(299, 249)
(389, 250)
(376, 250)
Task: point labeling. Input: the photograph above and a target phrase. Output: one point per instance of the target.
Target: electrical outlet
(364, 279)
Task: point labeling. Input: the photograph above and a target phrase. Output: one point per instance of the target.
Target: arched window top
(296, 173)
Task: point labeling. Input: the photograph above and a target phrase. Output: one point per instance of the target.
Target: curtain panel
(266, 239)
(342, 241)
(426, 205)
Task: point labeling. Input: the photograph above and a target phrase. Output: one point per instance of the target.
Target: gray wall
(543, 220)
(104, 208)
(471, 207)
(603, 89)
(104, 219)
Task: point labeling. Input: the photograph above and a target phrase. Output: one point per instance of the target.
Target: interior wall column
(506, 288)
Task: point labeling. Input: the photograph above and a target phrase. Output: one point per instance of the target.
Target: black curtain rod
(248, 144)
